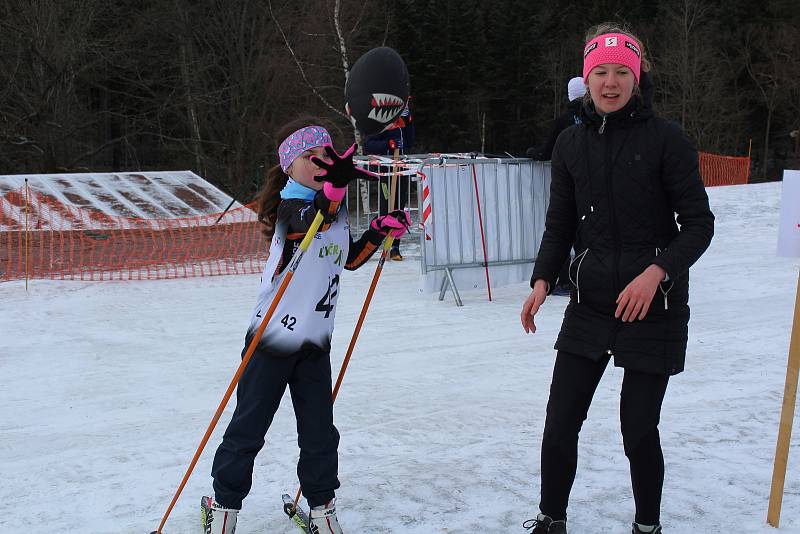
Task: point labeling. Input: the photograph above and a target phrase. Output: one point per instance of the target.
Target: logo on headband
(589, 49)
(611, 41)
(633, 47)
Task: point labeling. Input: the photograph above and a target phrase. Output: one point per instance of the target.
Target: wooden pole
(27, 235)
(393, 188)
(787, 416)
(483, 237)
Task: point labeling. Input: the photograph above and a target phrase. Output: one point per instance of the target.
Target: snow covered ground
(108, 387)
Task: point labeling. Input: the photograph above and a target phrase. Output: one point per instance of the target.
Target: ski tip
(288, 505)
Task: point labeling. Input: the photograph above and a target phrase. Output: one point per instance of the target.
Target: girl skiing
(294, 350)
(618, 180)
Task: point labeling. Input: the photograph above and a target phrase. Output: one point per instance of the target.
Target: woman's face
(302, 170)
(610, 86)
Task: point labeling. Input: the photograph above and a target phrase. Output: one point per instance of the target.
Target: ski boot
(323, 519)
(216, 518)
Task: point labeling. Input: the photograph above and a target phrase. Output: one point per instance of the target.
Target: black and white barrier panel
(483, 220)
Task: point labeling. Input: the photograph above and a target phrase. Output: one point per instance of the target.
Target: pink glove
(395, 222)
(333, 193)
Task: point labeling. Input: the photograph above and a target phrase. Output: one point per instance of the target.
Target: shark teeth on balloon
(385, 107)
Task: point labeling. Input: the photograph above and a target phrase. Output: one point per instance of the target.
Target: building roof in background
(132, 195)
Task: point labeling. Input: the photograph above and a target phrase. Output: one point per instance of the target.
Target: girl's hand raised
(340, 170)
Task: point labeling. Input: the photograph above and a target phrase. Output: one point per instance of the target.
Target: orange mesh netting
(41, 237)
(64, 242)
(723, 170)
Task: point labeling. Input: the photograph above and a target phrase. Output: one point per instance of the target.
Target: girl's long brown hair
(268, 197)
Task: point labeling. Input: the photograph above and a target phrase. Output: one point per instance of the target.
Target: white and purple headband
(298, 142)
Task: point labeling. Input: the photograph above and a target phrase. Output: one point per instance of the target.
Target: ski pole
(387, 244)
(293, 264)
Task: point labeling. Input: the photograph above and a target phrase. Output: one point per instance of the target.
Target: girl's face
(610, 86)
(303, 171)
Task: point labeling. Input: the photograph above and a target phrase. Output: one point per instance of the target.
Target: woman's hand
(634, 301)
(532, 304)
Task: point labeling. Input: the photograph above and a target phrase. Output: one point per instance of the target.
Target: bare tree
(187, 63)
(45, 53)
(690, 70)
(764, 61)
(321, 53)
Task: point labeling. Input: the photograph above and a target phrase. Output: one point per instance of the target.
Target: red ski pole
(387, 244)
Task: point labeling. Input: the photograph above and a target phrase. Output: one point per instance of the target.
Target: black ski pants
(575, 380)
(258, 394)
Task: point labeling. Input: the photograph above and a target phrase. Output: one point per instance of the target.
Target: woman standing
(618, 180)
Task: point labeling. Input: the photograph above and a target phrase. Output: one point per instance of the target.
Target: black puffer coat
(616, 187)
(569, 117)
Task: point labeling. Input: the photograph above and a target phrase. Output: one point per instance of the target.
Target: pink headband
(300, 141)
(612, 48)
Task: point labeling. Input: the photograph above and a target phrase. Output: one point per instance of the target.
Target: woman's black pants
(575, 380)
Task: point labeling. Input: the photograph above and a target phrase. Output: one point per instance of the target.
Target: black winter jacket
(617, 184)
(569, 117)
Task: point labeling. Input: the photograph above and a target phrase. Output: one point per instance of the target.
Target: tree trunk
(766, 141)
(191, 110)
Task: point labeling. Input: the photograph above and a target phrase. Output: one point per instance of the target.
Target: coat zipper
(613, 216)
(660, 288)
(579, 258)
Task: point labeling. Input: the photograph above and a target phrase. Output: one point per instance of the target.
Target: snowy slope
(108, 388)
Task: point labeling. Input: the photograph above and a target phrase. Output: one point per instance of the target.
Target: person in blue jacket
(400, 137)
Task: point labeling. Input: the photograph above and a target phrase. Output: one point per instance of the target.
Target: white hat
(576, 88)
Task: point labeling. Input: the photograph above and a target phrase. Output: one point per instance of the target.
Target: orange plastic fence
(64, 242)
(723, 170)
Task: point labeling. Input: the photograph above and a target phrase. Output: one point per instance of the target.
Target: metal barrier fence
(481, 219)
(371, 196)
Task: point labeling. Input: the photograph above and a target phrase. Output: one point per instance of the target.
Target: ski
(297, 515)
